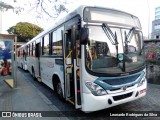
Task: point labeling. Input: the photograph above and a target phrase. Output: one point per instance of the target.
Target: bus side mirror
(84, 33)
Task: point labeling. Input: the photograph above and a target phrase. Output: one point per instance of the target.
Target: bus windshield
(105, 57)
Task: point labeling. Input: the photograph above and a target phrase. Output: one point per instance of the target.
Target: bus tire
(33, 74)
(21, 65)
(58, 88)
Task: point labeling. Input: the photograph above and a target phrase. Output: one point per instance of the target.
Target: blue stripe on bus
(109, 83)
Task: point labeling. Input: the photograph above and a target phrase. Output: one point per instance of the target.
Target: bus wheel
(33, 74)
(22, 66)
(59, 91)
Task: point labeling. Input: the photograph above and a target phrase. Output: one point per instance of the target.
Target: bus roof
(58, 22)
(77, 11)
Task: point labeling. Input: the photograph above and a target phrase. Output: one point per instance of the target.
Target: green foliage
(25, 31)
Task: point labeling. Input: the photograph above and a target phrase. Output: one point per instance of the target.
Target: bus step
(71, 101)
(39, 79)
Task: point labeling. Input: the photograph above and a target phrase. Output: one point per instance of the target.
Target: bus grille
(120, 81)
(120, 97)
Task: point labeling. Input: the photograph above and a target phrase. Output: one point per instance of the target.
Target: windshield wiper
(114, 41)
(128, 38)
(112, 37)
(129, 35)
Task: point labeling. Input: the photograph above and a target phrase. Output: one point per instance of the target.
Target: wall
(152, 50)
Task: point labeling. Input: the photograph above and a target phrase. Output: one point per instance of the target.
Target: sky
(143, 9)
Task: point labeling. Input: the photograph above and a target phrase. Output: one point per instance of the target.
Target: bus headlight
(95, 89)
(141, 82)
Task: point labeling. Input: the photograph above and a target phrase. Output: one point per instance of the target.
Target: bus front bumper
(94, 103)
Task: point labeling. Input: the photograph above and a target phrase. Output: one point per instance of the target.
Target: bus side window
(68, 49)
(54, 38)
(46, 45)
(57, 42)
(23, 53)
(42, 44)
(78, 49)
(18, 53)
(31, 49)
(28, 50)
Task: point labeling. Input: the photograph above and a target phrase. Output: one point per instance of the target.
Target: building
(156, 25)
(152, 50)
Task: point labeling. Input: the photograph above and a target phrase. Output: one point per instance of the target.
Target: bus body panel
(91, 102)
(21, 62)
(36, 67)
(46, 66)
(49, 68)
(95, 103)
(32, 63)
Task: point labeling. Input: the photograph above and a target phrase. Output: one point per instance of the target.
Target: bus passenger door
(37, 54)
(71, 63)
(76, 59)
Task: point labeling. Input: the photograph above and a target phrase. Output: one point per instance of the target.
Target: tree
(49, 8)
(25, 31)
(4, 6)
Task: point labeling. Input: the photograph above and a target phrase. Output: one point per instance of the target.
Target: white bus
(93, 58)
(22, 57)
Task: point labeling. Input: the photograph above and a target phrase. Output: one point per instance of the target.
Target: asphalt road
(149, 103)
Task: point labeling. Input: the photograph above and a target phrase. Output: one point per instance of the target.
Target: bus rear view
(112, 62)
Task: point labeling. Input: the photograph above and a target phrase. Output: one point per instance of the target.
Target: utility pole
(148, 19)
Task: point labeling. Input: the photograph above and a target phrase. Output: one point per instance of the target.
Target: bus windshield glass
(105, 57)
